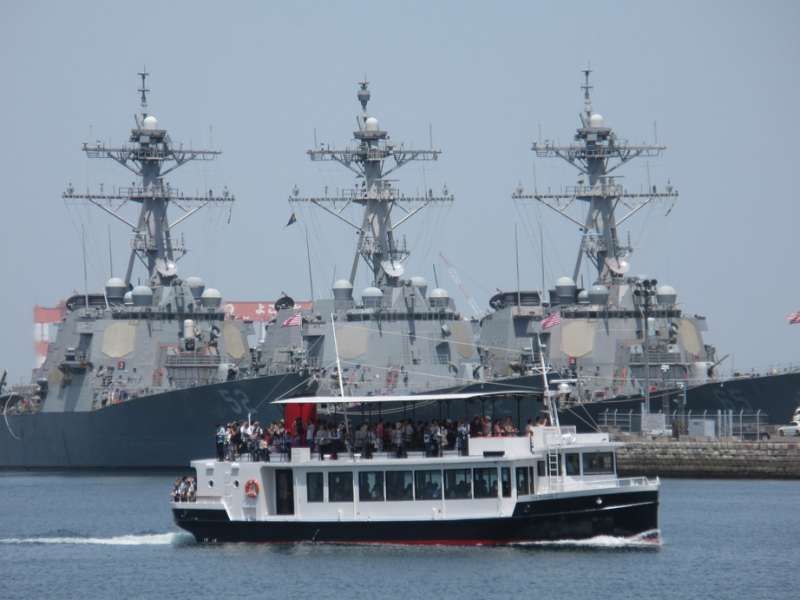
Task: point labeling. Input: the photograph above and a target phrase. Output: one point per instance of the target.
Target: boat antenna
(516, 253)
(85, 274)
(551, 407)
(341, 376)
(308, 258)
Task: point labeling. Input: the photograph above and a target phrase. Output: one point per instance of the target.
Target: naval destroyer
(622, 340)
(140, 374)
(396, 337)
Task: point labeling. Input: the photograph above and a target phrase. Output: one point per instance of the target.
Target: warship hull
(775, 396)
(162, 430)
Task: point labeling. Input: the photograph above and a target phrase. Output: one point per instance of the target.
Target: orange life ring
(251, 488)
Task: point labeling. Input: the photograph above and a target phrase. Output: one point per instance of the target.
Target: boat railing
(562, 484)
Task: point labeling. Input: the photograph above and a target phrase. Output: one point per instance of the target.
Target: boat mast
(151, 156)
(377, 245)
(596, 154)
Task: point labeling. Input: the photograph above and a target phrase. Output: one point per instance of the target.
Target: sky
(714, 81)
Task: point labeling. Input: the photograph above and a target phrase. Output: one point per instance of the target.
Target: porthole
(236, 483)
(210, 483)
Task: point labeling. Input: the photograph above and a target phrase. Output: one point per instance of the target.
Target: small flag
(293, 321)
(794, 318)
(292, 219)
(551, 320)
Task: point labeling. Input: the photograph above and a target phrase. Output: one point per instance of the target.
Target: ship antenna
(341, 377)
(143, 90)
(587, 98)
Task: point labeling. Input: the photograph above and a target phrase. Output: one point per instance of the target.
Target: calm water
(64, 536)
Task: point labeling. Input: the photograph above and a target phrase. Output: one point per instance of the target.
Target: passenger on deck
(220, 440)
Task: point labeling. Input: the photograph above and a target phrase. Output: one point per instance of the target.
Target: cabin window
(370, 486)
(457, 484)
(428, 485)
(523, 482)
(399, 485)
(485, 482)
(572, 463)
(340, 486)
(505, 481)
(314, 487)
(598, 463)
(540, 468)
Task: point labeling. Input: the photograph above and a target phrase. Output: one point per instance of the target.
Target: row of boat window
(457, 484)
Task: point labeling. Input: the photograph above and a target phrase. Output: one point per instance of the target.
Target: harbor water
(111, 535)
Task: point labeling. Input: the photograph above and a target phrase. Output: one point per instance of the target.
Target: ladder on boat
(553, 470)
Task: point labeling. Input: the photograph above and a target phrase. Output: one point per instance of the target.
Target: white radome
(597, 120)
(371, 124)
(150, 122)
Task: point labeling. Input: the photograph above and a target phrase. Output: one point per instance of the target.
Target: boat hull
(162, 430)
(626, 515)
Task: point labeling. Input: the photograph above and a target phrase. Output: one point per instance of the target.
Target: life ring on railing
(251, 488)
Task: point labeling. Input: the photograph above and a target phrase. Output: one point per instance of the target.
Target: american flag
(551, 320)
(794, 318)
(292, 321)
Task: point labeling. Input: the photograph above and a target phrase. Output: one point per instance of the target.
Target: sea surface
(112, 536)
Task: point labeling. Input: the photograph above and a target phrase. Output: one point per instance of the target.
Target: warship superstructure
(140, 374)
(621, 339)
(397, 336)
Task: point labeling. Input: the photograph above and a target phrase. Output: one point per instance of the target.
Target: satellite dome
(439, 298)
(196, 286)
(115, 288)
(142, 296)
(150, 122)
(666, 294)
(439, 293)
(419, 281)
(565, 290)
(598, 294)
(597, 120)
(342, 290)
(127, 299)
(583, 297)
(564, 388)
(371, 297)
(211, 298)
(371, 124)
(565, 282)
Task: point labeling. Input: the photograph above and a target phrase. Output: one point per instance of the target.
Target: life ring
(251, 488)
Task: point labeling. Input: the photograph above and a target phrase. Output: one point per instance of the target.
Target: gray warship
(139, 375)
(399, 337)
(621, 340)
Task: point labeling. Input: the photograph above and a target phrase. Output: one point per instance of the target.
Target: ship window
(540, 468)
(370, 486)
(572, 463)
(428, 485)
(399, 485)
(485, 481)
(457, 484)
(598, 463)
(523, 483)
(505, 481)
(531, 479)
(340, 486)
(314, 487)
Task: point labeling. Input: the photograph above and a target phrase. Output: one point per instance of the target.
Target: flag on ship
(292, 219)
(292, 321)
(794, 318)
(551, 320)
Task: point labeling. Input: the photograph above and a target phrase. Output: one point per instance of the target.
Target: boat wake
(647, 540)
(151, 539)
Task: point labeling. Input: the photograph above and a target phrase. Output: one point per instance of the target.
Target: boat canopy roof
(408, 398)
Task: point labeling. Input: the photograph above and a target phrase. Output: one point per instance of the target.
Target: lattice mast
(597, 153)
(151, 155)
(369, 158)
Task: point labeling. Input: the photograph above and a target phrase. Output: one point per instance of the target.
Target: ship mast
(370, 161)
(596, 153)
(150, 156)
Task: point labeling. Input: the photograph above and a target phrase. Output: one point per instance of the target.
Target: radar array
(150, 155)
(372, 159)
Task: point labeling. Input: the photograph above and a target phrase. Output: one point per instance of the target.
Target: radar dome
(439, 298)
(115, 288)
(565, 290)
(150, 122)
(597, 120)
(127, 299)
(372, 297)
(342, 290)
(598, 294)
(420, 283)
(211, 298)
(583, 297)
(666, 294)
(142, 296)
(196, 286)
(371, 124)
